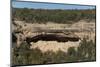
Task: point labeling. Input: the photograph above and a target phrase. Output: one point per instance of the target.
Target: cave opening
(52, 37)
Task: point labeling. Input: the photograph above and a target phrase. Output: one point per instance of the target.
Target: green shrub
(57, 16)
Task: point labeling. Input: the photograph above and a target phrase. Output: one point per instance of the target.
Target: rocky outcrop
(51, 32)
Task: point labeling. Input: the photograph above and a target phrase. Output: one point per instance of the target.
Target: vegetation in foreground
(24, 55)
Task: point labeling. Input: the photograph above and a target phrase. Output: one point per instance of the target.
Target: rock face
(54, 45)
(52, 32)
